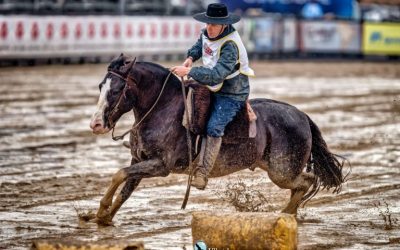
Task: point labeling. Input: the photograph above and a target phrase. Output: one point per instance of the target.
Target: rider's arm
(224, 67)
(196, 51)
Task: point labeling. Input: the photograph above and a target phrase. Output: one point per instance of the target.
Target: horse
(288, 144)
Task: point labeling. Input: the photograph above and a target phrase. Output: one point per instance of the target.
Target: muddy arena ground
(52, 166)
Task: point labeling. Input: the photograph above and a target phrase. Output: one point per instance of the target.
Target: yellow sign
(381, 38)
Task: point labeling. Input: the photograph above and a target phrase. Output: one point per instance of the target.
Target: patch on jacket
(207, 50)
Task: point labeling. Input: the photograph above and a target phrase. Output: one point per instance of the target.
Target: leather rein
(116, 107)
(188, 137)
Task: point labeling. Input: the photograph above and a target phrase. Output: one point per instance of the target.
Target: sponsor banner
(381, 38)
(289, 35)
(330, 37)
(62, 36)
(350, 37)
(265, 35)
(340, 8)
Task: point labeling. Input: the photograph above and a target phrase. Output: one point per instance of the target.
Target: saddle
(243, 126)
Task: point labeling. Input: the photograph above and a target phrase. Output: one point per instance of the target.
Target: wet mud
(52, 168)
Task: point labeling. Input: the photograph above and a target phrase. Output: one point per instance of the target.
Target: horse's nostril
(95, 125)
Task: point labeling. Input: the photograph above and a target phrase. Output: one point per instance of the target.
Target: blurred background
(78, 31)
(336, 60)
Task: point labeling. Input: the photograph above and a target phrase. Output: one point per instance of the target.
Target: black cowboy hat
(217, 13)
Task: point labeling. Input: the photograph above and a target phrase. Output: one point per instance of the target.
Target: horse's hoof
(104, 221)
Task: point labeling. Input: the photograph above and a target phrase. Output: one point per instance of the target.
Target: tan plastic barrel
(245, 230)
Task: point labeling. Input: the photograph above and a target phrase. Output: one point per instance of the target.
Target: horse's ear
(128, 62)
(128, 67)
(122, 54)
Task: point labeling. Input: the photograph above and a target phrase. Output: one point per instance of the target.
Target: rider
(225, 73)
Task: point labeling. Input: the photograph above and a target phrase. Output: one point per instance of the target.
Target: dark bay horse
(288, 145)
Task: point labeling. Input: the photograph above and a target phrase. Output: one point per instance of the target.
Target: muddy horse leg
(299, 188)
(117, 179)
(132, 175)
(126, 191)
(106, 201)
(130, 185)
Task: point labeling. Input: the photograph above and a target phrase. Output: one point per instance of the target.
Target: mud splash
(52, 166)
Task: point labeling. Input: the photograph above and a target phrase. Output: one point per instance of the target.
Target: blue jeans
(223, 111)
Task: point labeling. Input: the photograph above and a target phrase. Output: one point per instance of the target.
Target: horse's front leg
(130, 185)
(117, 179)
(132, 175)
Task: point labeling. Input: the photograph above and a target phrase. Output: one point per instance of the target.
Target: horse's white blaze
(102, 103)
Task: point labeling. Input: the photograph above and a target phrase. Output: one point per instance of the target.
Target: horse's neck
(168, 105)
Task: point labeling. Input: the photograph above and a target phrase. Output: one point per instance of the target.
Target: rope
(116, 138)
(189, 142)
(188, 138)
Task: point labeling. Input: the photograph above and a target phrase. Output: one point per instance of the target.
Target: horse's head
(115, 95)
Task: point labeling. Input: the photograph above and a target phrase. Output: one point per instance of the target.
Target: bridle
(188, 137)
(116, 107)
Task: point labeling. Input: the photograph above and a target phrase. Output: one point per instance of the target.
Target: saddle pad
(238, 128)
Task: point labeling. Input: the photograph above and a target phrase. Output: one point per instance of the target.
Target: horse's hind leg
(286, 171)
(299, 188)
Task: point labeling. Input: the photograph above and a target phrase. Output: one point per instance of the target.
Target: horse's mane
(118, 63)
(163, 71)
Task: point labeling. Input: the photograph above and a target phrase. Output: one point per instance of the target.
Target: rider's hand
(180, 70)
(188, 62)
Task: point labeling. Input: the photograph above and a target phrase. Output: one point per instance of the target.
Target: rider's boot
(205, 165)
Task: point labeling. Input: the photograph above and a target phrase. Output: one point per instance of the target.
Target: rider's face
(213, 30)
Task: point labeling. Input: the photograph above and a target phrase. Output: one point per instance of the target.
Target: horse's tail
(326, 165)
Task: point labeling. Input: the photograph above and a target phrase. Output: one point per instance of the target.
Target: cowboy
(225, 72)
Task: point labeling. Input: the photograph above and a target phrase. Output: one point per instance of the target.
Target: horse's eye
(114, 91)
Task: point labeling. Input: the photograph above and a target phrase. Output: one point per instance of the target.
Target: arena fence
(46, 37)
